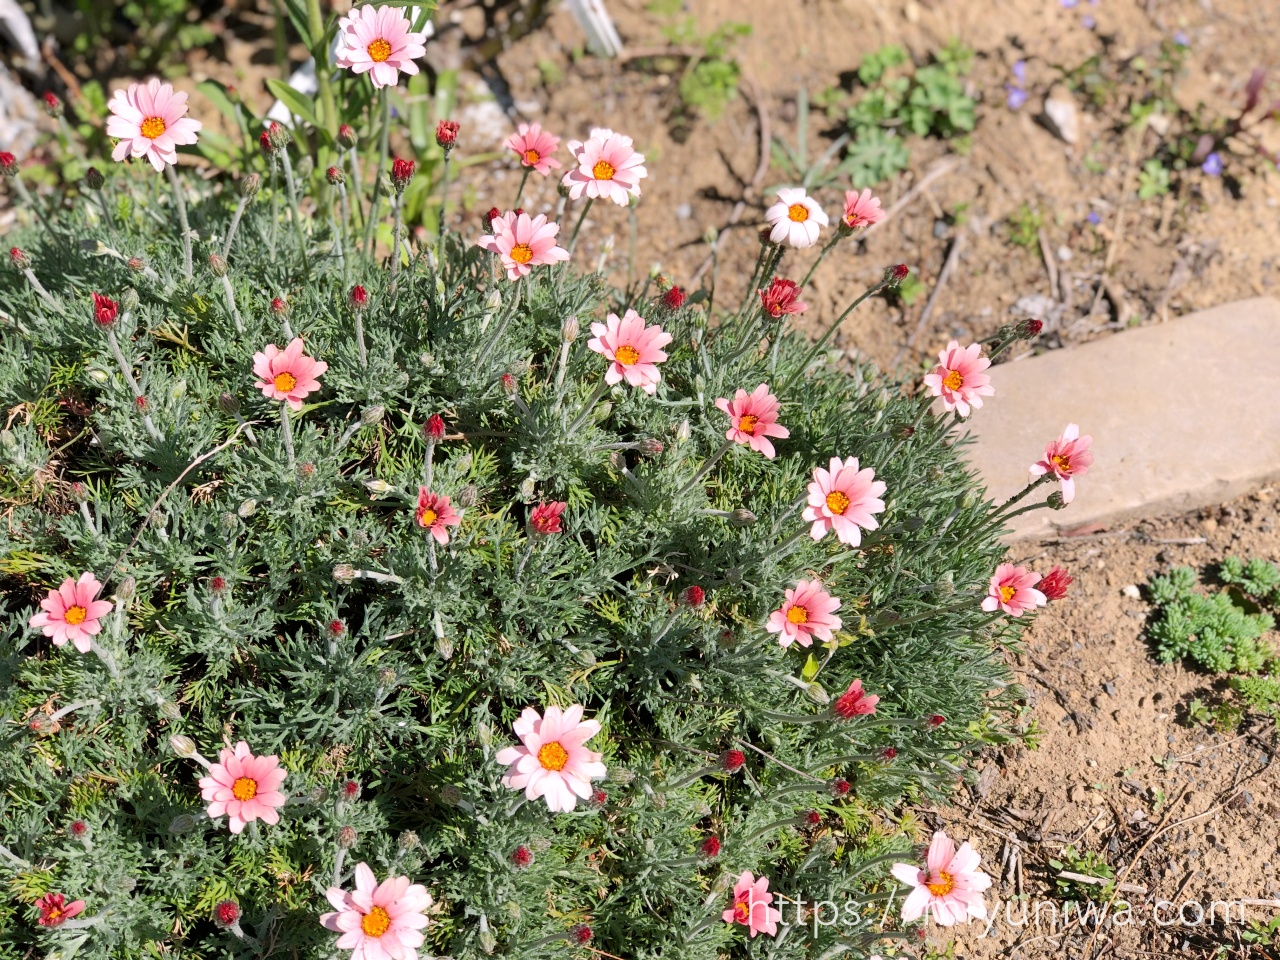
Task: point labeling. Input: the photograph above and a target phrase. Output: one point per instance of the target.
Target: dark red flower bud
(264, 142)
(651, 447)
(447, 134)
(493, 214)
(140, 403)
(105, 310)
(434, 428)
(346, 137)
(674, 298)
(347, 837)
(218, 584)
(580, 935)
(839, 787)
(93, 179)
(335, 176)
(1054, 584)
(1029, 329)
(518, 210)
(350, 789)
(521, 857)
(278, 136)
(888, 754)
(898, 272)
(509, 384)
(336, 628)
(19, 258)
(52, 105)
(401, 173)
(359, 297)
(812, 818)
(226, 913)
(694, 596)
(936, 720)
(8, 164)
(733, 760)
(599, 798)
(279, 305)
(78, 828)
(137, 264)
(710, 847)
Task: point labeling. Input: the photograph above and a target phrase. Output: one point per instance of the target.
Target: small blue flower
(1094, 217)
(1069, 4)
(1181, 39)
(1212, 165)
(1017, 96)
(1088, 22)
(1020, 70)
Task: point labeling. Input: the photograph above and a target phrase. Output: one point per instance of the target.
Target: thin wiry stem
(180, 205)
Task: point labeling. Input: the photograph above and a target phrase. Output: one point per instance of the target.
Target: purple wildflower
(1017, 96)
(1212, 165)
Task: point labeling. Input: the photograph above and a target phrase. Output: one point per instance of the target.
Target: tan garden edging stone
(1183, 415)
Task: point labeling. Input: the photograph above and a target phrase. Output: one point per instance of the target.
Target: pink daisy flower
(523, 243)
(72, 612)
(861, 209)
(635, 350)
(753, 419)
(843, 498)
(1054, 583)
(854, 702)
(150, 121)
(751, 906)
(949, 886)
(782, 297)
(534, 146)
(378, 41)
(436, 514)
(244, 787)
(1066, 458)
(287, 375)
(795, 218)
(1012, 590)
(808, 611)
(55, 911)
(551, 761)
(545, 519)
(958, 378)
(608, 168)
(378, 921)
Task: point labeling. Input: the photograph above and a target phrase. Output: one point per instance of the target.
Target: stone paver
(1183, 415)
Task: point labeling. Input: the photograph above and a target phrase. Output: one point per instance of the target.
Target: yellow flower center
(1006, 594)
(627, 355)
(552, 756)
(953, 380)
(798, 212)
(941, 884)
(284, 382)
(522, 253)
(428, 517)
(245, 789)
(377, 921)
(152, 127)
(379, 50)
(837, 502)
(742, 911)
(75, 615)
(748, 424)
(531, 157)
(1061, 464)
(603, 170)
(798, 615)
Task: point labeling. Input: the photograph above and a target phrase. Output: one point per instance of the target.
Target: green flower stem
(41, 292)
(13, 858)
(501, 327)
(354, 158)
(696, 775)
(294, 213)
(384, 149)
(395, 243)
(360, 347)
(822, 342)
(1043, 478)
(846, 759)
(180, 205)
(573, 238)
(755, 276)
(107, 659)
(231, 302)
(519, 193)
(707, 464)
(1027, 509)
(127, 373)
(286, 431)
(275, 210)
(235, 225)
(835, 238)
(587, 407)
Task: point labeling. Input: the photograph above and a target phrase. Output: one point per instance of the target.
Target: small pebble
(1131, 590)
(1064, 254)
(684, 211)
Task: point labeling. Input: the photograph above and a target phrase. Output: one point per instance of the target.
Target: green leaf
(216, 93)
(811, 665)
(298, 17)
(299, 104)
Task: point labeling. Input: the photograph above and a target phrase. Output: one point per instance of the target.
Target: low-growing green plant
(1212, 631)
(707, 80)
(1024, 225)
(1087, 864)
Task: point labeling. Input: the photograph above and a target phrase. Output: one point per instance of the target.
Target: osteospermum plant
(523, 615)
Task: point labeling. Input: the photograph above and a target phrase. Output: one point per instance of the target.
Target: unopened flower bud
(935, 720)
(509, 384)
(78, 828)
(129, 299)
(278, 136)
(128, 587)
(896, 273)
(742, 517)
(733, 761)
(694, 596)
(402, 174)
(93, 179)
(447, 135)
(359, 297)
(335, 176)
(347, 838)
(651, 447)
(40, 724)
(904, 431)
(683, 431)
(1056, 501)
(815, 692)
(182, 823)
(468, 495)
(344, 573)
(347, 137)
(434, 428)
(1029, 329)
(617, 460)
(170, 711)
(450, 795)
(247, 508)
(569, 330)
(444, 647)
(226, 914)
(183, 747)
(408, 840)
(19, 259)
(580, 935)
(839, 787)
(250, 185)
(378, 488)
(372, 415)
(228, 403)
(8, 164)
(137, 264)
(217, 265)
(52, 105)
